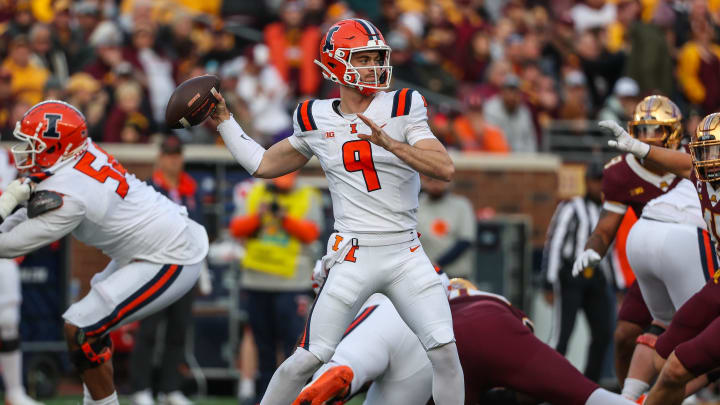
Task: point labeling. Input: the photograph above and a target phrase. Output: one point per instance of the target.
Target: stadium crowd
(496, 72)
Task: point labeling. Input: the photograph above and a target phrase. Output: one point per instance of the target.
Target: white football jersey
(106, 207)
(8, 172)
(372, 190)
(680, 205)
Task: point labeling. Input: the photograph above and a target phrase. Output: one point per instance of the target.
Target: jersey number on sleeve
(357, 156)
(112, 169)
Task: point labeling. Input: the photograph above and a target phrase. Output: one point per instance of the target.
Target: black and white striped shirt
(571, 225)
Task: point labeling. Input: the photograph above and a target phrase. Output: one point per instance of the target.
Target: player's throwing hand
(220, 113)
(378, 137)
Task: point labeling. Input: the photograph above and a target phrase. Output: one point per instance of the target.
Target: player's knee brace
(90, 354)
(650, 336)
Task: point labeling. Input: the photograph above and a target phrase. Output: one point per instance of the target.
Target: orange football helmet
(342, 40)
(51, 132)
(705, 148)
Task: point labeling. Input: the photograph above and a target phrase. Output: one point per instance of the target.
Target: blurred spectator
(589, 14)
(402, 56)
(698, 69)
(106, 39)
(171, 180)
(53, 90)
(600, 67)
(431, 72)
(265, 94)
(293, 48)
(474, 134)
(621, 105)
(507, 111)
(45, 55)
(447, 223)
(157, 69)
(19, 108)
(28, 79)
(496, 74)
(476, 60)
(22, 19)
(280, 223)
(6, 105)
(650, 62)
(126, 122)
(72, 40)
(85, 93)
(575, 99)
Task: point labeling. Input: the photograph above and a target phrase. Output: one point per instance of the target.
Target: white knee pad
(9, 321)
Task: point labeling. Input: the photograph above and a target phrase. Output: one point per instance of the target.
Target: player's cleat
(333, 384)
(21, 399)
(143, 397)
(173, 398)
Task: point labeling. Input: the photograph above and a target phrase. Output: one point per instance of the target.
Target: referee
(571, 225)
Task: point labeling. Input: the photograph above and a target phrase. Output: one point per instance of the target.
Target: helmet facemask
(24, 153)
(657, 133)
(353, 74)
(705, 152)
(705, 149)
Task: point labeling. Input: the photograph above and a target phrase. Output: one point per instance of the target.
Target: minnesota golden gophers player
(371, 144)
(631, 183)
(497, 349)
(690, 343)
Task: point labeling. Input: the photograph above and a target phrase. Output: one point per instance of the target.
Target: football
(192, 102)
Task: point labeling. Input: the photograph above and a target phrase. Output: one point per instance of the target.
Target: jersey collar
(661, 182)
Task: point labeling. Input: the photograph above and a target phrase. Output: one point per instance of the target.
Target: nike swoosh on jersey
(414, 248)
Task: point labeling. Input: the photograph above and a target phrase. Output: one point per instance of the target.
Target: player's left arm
(41, 230)
(422, 151)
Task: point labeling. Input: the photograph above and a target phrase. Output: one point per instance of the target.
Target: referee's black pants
(590, 293)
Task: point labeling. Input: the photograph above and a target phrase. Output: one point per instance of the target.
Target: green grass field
(205, 401)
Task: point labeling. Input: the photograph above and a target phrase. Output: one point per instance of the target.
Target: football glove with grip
(16, 193)
(588, 258)
(623, 141)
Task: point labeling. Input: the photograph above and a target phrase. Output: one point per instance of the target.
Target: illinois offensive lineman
(689, 346)
(496, 345)
(156, 250)
(374, 185)
(631, 183)
(10, 299)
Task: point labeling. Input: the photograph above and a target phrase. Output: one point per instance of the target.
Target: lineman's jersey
(8, 172)
(372, 190)
(106, 207)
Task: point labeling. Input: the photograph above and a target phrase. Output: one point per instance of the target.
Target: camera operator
(278, 223)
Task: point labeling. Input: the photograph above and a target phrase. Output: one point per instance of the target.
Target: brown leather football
(192, 102)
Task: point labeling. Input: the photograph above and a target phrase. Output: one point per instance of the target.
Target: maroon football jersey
(709, 198)
(626, 183)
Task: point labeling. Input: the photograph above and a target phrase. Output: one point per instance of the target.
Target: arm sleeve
(37, 232)
(417, 127)
(15, 218)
